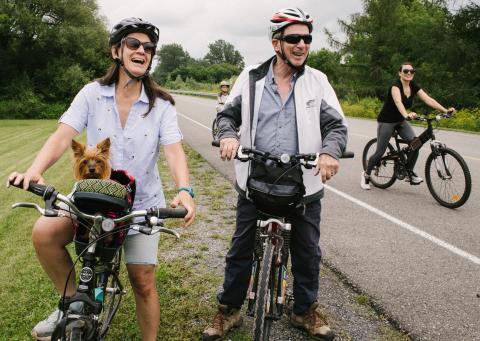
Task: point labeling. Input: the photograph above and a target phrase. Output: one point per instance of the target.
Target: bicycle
(267, 292)
(446, 173)
(88, 314)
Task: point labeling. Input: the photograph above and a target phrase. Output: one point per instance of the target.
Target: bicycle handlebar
(437, 117)
(48, 192)
(307, 160)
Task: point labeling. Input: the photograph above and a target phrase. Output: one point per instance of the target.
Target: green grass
(186, 290)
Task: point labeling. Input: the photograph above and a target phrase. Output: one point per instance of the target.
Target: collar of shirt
(109, 91)
(270, 78)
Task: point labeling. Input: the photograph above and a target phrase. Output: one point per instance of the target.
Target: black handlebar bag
(275, 189)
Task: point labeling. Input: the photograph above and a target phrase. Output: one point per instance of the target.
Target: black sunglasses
(405, 71)
(295, 38)
(134, 44)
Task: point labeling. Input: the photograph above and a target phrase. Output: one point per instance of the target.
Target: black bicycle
(267, 292)
(446, 172)
(99, 236)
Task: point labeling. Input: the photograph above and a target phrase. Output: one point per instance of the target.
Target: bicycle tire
(383, 174)
(452, 192)
(262, 296)
(113, 297)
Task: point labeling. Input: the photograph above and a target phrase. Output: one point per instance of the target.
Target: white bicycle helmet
(286, 17)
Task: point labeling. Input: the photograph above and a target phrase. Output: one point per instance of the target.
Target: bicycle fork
(443, 170)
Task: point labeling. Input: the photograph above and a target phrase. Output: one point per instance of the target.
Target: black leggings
(384, 133)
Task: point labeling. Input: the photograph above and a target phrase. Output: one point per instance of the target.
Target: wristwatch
(187, 189)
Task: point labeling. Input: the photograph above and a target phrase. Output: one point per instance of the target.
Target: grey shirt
(277, 125)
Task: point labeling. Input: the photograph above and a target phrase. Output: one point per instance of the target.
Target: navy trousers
(304, 249)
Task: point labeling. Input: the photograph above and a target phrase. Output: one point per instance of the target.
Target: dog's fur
(92, 163)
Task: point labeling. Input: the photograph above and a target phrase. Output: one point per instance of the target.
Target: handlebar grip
(216, 143)
(37, 189)
(162, 213)
(347, 154)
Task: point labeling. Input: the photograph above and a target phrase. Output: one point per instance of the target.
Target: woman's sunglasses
(406, 71)
(295, 38)
(133, 44)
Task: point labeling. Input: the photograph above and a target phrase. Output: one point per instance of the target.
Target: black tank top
(389, 112)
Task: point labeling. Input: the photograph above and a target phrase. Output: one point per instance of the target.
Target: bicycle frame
(417, 143)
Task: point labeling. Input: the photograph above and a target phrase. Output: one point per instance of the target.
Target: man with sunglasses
(392, 117)
(281, 106)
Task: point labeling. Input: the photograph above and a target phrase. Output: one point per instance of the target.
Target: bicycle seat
(100, 196)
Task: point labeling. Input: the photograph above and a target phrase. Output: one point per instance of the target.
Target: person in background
(223, 95)
(392, 117)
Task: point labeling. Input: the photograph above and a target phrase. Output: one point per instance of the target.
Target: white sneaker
(44, 329)
(416, 180)
(365, 181)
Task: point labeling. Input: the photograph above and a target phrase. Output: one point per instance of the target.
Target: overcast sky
(196, 23)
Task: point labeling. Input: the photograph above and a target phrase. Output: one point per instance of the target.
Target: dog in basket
(91, 163)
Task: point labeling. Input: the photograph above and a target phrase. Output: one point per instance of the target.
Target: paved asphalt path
(417, 261)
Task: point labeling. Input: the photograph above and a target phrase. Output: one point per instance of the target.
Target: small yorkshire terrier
(92, 163)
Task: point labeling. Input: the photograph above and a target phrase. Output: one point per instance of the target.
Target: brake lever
(240, 155)
(45, 212)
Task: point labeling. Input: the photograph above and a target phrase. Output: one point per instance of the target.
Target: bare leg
(142, 278)
(50, 236)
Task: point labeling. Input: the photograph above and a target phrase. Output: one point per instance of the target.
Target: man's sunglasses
(406, 71)
(134, 44)
(295, 38)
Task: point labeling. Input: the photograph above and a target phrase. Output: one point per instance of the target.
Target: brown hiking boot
(225, 319)
(313, 323)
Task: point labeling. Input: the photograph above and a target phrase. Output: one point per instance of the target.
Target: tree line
(49, 49)
(222, 61)
(444, 47)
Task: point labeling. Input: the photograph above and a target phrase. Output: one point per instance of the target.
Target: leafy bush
(367, 107)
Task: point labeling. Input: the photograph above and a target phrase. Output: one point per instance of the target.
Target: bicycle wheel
(262, 322)
(448, 178)
(113, 295)
(383, 174)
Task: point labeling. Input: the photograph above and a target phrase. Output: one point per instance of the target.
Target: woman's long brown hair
(152, 89)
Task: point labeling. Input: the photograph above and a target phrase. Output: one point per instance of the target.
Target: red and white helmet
(286, 17)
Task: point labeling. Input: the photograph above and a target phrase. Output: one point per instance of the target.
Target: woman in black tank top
(393, 114)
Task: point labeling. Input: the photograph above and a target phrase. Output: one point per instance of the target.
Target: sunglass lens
(406, 71)
(132, 43)
(295, 38)
(149, 47)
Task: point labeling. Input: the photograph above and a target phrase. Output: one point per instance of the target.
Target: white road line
(387, 216)
(408, 227)
(198, 123)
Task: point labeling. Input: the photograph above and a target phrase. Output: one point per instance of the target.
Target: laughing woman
(392, 117)
(127, 106)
